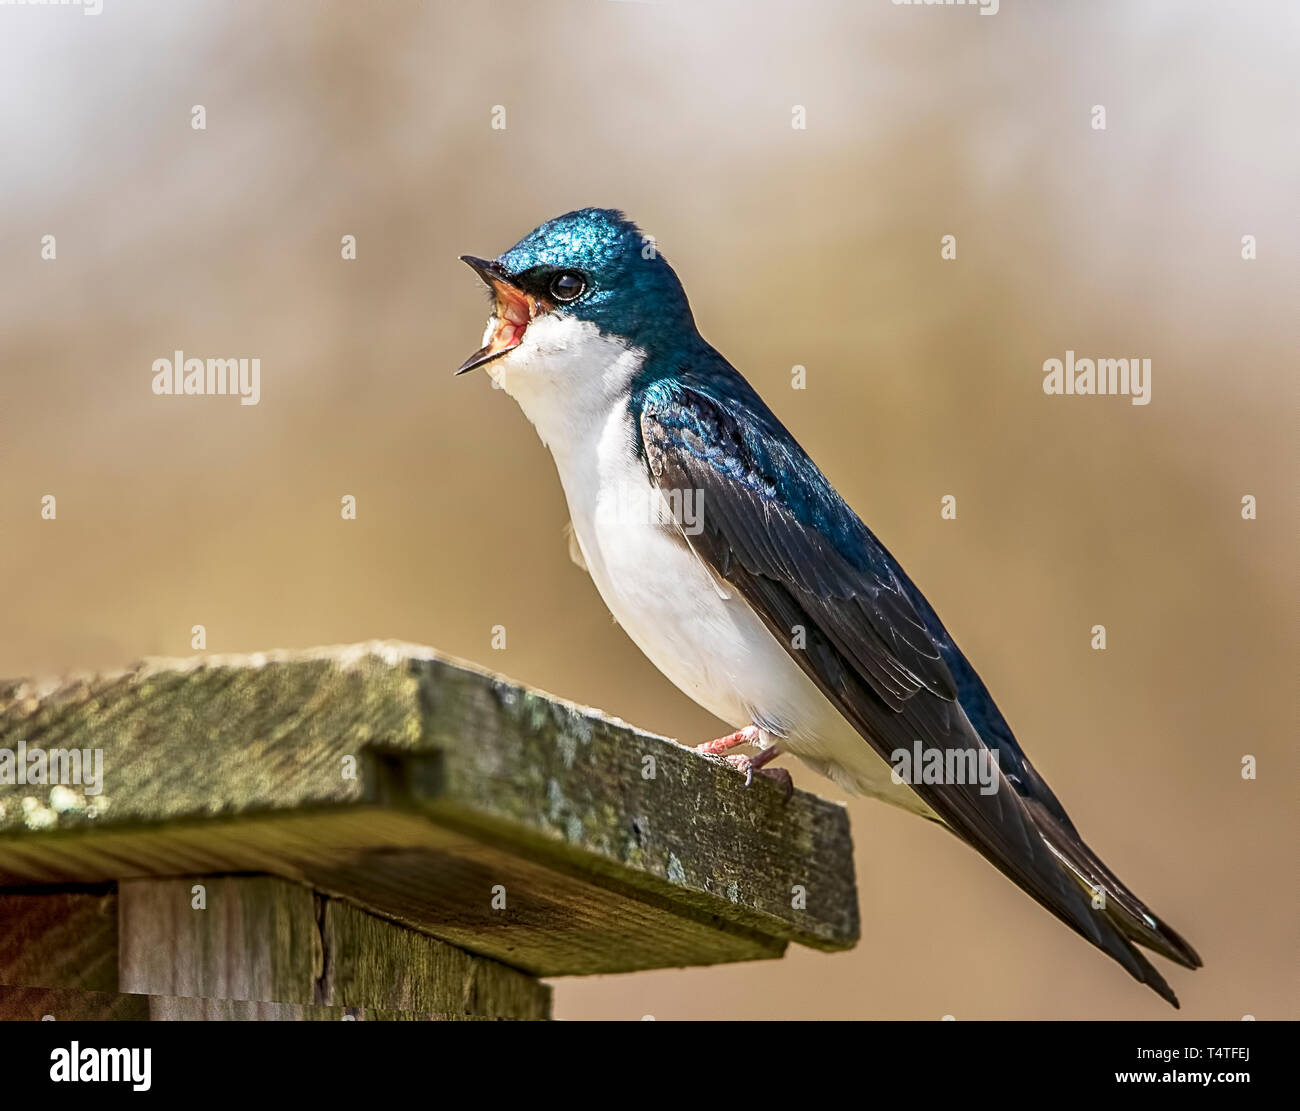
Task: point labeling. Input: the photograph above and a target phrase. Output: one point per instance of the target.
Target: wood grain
(502, 820)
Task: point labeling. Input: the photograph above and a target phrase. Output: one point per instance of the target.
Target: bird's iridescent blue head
(593, 264)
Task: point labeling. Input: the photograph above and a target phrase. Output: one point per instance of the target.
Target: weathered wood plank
(18, 1004)
(415, 787)
(261, 939)
(373, 963)
(162, 1009)
(219, 937)
(423, 876)
(577, 788)
(69, 1005)
(59, 939)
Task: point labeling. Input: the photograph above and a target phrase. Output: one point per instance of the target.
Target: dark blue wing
(775, 528)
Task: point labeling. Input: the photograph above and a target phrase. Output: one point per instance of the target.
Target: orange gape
(515, 310)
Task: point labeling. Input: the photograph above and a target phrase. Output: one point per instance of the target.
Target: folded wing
(775, 529)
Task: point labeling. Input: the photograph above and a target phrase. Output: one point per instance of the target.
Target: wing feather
(775, 529)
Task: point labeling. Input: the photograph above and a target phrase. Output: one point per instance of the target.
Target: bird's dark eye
(567, 286)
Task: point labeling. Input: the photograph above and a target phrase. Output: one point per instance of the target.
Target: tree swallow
(731, 561)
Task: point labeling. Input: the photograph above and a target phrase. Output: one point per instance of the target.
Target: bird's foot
(746, 736)
(752, 764)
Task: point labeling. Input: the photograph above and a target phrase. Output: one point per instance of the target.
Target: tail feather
(1121, 907)
(1105, 930)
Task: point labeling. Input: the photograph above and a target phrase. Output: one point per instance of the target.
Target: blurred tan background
(817, 247)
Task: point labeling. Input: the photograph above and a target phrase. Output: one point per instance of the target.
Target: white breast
(572, 382)
(694, 629)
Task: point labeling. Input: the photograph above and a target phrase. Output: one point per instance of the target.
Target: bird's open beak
(515, 310)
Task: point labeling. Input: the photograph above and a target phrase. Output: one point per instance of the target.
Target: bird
(736, 567)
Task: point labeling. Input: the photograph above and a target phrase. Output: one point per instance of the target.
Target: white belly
(696, 630)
